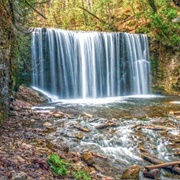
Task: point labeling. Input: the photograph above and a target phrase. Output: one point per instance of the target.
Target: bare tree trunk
(153, 6)
(84, 15)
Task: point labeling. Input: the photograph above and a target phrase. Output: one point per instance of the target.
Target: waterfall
(72, 64)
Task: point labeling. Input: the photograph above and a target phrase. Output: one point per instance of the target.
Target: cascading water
(84, 65)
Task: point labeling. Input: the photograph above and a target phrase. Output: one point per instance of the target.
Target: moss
(1, 119)
(158, 89)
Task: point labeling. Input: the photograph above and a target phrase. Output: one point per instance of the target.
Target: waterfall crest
(72, 64)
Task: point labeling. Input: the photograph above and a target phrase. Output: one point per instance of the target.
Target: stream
(135, 125)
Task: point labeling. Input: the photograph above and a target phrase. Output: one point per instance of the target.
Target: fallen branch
(82, 129)
(157, 128)
(163, 165)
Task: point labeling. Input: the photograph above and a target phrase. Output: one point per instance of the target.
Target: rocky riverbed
(103, 147)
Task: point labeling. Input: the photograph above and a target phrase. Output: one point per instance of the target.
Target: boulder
(88, 158)
(131, 173)
(27, 94)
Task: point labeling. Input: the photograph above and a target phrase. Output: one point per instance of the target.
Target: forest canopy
(153, 17)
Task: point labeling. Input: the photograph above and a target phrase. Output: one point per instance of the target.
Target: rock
(86, 115)
(47, 124)
(17, 159)
(13, 113)
(33, 120)
(87, 157)
(98, 168)
(19, 176)
(171, 112)
(176, 20)
(79, 135)
(152, 174)
(27, 146)
(63, 147)
(107, 178)
(131, 173)
(51, 129)
(58, 115)
(29, 95)
(20, 105)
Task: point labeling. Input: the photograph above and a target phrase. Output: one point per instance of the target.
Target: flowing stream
(140, 124)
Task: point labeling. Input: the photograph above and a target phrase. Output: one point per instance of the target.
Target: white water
(82, 65)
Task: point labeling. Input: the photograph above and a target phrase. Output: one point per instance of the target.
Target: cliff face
(165, 69)
(5, 50)
(4, 86)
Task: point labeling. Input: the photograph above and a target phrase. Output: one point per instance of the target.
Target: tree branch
(35, 9)
(92, 14)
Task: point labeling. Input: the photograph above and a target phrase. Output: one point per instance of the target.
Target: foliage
(58, 166)
(81, 175)
(159, 24)
(153, 17)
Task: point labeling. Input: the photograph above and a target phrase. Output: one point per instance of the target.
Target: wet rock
(59, 115)
(87, 157)
(29, 95)
(153, 173)
(79, 135)
(82, 129)
(131, 173)
(19, 176)
(98, 168)
(47, 124)
(143, 149)
(177, 153)
(63, 146)
(86, 115)
(51, 129)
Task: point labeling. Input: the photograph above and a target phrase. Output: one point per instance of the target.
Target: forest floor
(24, 148)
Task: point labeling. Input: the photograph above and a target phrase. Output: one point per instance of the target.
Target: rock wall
(165, 69)
(5, 49)
(4, 89)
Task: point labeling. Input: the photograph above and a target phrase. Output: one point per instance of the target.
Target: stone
(176, 20)
(26, 146)
(79, 135)
(30, 95)
(58, 115)
(88, 158)
(33, 120)
(86, 115)
(131, 173)
(47, 124)
(19, 176)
